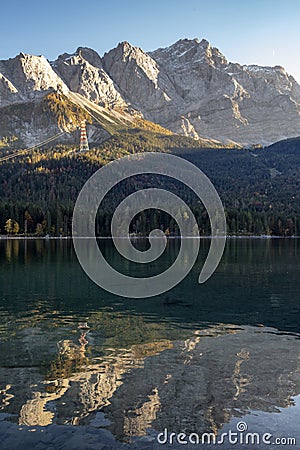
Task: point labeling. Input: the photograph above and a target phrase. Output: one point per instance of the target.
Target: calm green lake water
(198, 358)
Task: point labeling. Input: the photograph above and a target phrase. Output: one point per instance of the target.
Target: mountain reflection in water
(194, 385)
(136, 368)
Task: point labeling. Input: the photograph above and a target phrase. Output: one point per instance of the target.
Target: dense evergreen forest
(259, 187)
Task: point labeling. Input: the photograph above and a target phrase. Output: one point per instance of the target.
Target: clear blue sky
(265, 32)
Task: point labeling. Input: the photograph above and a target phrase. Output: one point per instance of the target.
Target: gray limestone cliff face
(192, 89)
(141, 81)
(188, 87)
(83, 73)
(27, 78)
(228, 101)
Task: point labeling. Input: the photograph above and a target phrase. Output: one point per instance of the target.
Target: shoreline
(48, 238)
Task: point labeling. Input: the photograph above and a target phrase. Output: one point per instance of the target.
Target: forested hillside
(259, 187)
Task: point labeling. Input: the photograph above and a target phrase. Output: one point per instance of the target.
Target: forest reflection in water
(189, 361)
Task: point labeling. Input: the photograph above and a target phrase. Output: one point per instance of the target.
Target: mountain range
(188, 88)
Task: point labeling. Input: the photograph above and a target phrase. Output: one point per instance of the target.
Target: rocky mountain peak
(127, 52)
(188, 87)
(126, 47)
(30, 76)
(90, 55)
(189, 51)
(125, 59)
(83, 72)
(82, 54)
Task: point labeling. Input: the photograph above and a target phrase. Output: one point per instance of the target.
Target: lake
(83, 369)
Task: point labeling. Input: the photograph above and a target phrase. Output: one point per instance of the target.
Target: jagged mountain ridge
(188, 87)
(27, 82)
(83, 73)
